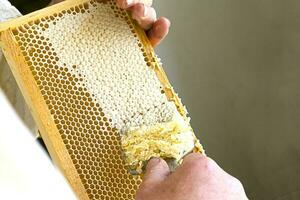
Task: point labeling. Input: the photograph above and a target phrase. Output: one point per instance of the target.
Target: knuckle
(237, 183)
(209, 165)
(151, 10)
(202, 163)
(139, 6)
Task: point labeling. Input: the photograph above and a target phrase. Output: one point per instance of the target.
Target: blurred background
(235, 64)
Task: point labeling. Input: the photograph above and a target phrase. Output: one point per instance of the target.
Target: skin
(157, 29)
(199, 177)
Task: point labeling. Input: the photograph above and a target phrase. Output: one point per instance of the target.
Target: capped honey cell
(96, 88)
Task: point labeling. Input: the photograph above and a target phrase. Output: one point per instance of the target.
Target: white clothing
(7, 81)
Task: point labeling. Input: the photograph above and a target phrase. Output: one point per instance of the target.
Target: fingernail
(152, 163)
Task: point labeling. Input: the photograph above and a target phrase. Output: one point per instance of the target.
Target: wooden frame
(34, 98)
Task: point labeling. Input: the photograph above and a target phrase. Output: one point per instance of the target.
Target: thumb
(157, 171)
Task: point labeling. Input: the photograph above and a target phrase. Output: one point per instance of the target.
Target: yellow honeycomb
(97, 79)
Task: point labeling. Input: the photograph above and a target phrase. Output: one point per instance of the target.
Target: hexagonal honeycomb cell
(87, 69)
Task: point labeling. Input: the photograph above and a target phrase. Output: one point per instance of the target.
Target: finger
(128, 3)
(192, 168)
(144, 15)
(199, 162)
(159, 31)
(156, 171)
(191, 163)
(191, 157)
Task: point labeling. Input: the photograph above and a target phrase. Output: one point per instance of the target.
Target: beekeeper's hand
(198, 178)
(157, 29)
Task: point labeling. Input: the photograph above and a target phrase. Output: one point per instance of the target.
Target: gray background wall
(236, 66)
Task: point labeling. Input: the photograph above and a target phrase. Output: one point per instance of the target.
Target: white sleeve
(26, 172)
(7, 11)
(7, 82)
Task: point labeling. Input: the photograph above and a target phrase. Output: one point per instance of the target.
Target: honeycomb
(138, 100)
(97, 79)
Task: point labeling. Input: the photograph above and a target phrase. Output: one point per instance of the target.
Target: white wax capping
(107, 56)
